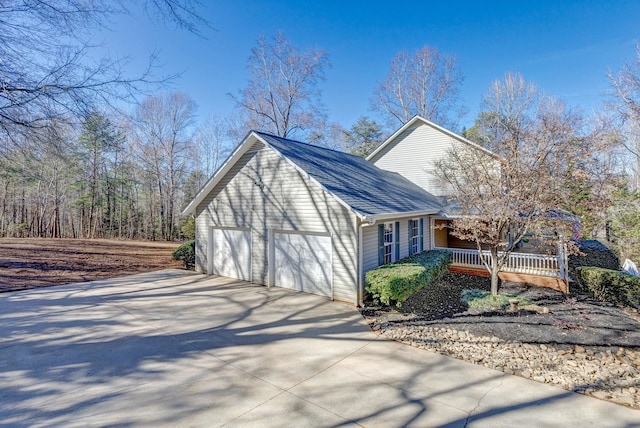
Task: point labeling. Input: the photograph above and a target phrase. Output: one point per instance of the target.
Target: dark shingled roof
(367, 189)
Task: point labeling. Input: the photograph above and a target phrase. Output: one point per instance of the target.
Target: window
(414, 237)
(388, 243)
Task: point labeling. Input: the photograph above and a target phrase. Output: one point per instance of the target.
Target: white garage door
(303, 263)
(231, 253)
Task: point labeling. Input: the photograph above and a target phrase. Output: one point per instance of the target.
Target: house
(285, 213)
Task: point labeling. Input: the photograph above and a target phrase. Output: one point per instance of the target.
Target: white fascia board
(372, 219)
(221, 172)
(393, 137)
(433, 125)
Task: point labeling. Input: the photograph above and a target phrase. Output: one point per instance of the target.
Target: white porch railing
(534, 264)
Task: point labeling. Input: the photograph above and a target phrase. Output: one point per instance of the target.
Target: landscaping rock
(604, 376)
(581, 345)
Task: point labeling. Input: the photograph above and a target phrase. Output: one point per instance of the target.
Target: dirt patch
(31, 263)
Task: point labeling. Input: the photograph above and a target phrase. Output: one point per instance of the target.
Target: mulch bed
(572, 319)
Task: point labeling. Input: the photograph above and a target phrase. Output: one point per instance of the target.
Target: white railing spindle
(536, 264)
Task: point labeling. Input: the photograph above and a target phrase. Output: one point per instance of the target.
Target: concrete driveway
(178, 349)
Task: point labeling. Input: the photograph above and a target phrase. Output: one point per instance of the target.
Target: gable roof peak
(419, 119)
(365, 189)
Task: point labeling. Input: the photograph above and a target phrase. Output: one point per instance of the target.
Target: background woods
(126, 177)
(88, 150)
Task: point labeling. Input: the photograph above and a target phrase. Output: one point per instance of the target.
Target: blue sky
(566, 47)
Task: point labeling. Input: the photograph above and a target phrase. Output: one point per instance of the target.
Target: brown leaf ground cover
(31, 262)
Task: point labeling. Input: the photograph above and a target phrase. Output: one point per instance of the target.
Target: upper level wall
(412, 154)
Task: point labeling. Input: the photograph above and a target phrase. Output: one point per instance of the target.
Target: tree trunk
(494, 271)
(494, 281)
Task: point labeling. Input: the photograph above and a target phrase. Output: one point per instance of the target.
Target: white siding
(265, 193)
(412, 154)
(369, 248)
(370, 241)
(427, 233)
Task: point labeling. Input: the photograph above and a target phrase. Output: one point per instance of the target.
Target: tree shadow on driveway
(208, 351)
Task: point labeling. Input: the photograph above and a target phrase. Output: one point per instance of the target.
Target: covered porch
(525, 264)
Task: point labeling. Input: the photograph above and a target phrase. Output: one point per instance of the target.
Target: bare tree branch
(542, 158)
(282, 95)
(424, 83)
(46, 66)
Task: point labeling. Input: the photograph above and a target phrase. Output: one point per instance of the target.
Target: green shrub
(610, 286)
(395, 282)
(470, 295)
(594, 254)
(483, 300)
(188, 228)
(187, 253)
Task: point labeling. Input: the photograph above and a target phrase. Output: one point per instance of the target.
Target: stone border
(604, 373)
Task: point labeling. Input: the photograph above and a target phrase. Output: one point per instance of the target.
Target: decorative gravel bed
(580, 345)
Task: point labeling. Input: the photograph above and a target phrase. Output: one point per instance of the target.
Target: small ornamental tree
(518, 186)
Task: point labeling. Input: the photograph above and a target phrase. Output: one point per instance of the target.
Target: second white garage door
(302, 262)
(231, 253)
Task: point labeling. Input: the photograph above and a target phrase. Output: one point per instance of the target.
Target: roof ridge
(309, 144)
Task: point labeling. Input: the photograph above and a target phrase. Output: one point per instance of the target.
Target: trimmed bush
(394, 283)
(594, 254)
(611, 286)
(187, 253)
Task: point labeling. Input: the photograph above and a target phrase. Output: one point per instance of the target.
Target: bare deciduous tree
(163, 135)
(212, 143)
(425, 83)
(48, 70)
(539, 154)
(328, 134)
(625, 103)
(626, 89)
(282, 95)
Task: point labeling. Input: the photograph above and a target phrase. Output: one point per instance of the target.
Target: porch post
(563, 262)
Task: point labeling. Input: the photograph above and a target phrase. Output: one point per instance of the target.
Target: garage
(302, 262)
(230, 251)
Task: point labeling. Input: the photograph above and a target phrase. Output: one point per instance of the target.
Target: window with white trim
(414, 237)
(388, 243)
